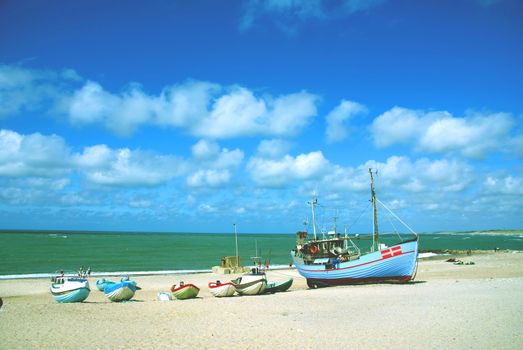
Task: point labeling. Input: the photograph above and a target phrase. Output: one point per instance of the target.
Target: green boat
(273, 287)
(184, 291)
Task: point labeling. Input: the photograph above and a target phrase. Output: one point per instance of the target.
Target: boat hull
(222, 290)
(274, 287)
(70, 291)
(102, 283)
(120, 291)
(394, 264)
(252, 288)
(187, 291)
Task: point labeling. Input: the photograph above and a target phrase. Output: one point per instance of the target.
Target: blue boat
(69, 290)
(102, 283)
(337, 260)
(121, 291)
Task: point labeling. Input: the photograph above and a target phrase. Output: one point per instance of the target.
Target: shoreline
(433, 254)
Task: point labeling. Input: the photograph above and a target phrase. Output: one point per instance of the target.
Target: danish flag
(390, 252)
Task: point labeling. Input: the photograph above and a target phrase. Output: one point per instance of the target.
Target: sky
(189, 116)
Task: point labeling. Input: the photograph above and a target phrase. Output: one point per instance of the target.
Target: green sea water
(24, 253)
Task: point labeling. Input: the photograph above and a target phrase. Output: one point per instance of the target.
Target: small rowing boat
(122, 291)
(184, 291)
(274, 287)
(219, 289)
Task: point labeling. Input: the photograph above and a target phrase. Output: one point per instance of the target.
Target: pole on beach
(236, 239)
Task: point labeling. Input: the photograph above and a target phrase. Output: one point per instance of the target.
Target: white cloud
(274, 148)
(25, 89)
(504, 184)
(402, 174)
(338, 117)
(209, 178)
(280, 172)
(205, 149)
(473, 136)
(203, 109)
(214, 166)
(123, 167)
(289, 15)
(33, 155)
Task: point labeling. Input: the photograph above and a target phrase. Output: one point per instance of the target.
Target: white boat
(70, 290)
(253, 283)
(219, 289)
(121, 291)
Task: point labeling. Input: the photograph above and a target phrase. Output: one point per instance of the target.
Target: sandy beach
(447, 307)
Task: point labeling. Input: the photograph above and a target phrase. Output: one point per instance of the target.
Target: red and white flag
(390, 252)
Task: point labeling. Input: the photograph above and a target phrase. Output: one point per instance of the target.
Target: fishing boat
(184, 291)
(274, 287)
(252, 283)
(102, 283)
(69, 290)
(219, 289)
(336, 260)
(122, 291)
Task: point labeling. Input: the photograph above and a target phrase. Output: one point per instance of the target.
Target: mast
(312, 204)
(236, 239)
(375, 236)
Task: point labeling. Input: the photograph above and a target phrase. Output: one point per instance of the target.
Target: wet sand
(447, 307)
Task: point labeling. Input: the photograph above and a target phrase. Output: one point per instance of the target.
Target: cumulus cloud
(203, 109)
(213, 166)
(473, 136)
(280, 172)
(33, 155)
(289, 15)
(123, 167)
(25, 89)
(274, 148)
(402, 173)
(338, 117)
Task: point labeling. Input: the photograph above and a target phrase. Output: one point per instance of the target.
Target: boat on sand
(278, 286)
(252, 283)
(334, 259)
(122, 291)
(69, 290)
(102, 283)
(219, 289)
(184, 291)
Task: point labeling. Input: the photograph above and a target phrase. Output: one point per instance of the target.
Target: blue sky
(192, 115)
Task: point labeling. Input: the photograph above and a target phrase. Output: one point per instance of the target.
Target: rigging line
(394, 227)
(361, 214)
(390, 211)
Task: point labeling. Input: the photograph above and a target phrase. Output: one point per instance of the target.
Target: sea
(33, 254)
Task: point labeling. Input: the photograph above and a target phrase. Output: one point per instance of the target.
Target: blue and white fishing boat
(336, 260)
(102, 283)
(70, 289)
(121, 291)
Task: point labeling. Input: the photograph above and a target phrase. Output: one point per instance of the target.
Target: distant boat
(102, 283)
(274, 287)
(69, 290)
(336, 260)
(122, 291)
(184, 291)
(219, 289)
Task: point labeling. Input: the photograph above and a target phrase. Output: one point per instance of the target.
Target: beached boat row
(254, 283)
(76, 289)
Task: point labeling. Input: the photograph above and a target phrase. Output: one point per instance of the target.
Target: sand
(448, 307)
